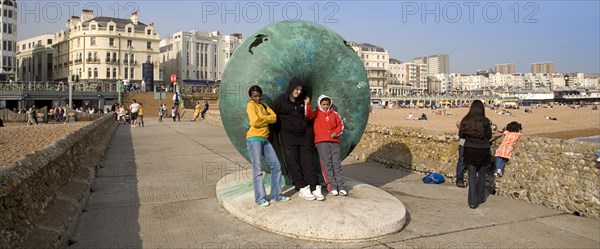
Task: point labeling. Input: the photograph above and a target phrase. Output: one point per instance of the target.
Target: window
(111, 41)
(108, 73)
(128, 29)
(111, 28)
(108, 57)
(93, 41)
(49, 41)
(149, 31)
(89, 72)
(114, 57)
(149, 45)
(115, 73)
(129, 42)
(95, 72)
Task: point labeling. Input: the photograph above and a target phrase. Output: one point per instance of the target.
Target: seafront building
(376, 61)
(34, 59)
(508, 68)
(8, 24)
(101, 48)
(436, 64)
(196, 58)
(542, 67)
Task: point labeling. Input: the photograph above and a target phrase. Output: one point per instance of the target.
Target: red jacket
(326, 122)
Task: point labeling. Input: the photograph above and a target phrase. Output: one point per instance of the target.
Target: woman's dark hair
(514, 126)
(254, 88)
(472, 124)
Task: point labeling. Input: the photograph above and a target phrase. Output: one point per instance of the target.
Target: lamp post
(129, 64)
(566, 80)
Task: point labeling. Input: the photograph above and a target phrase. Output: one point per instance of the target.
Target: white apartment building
(8, 23)
(445, 82)
(469, 82)
(414, 76)
(34, 58)
(395, 83)
(196, 56)
(437, 63)
(106, 48)
(375, 60)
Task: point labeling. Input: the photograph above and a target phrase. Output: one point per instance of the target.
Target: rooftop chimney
(134, 18)
(87, 15)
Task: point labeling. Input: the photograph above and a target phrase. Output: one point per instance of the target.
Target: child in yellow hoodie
(260, 116)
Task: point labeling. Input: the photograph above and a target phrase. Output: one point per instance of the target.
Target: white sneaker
(318, 194)
(305, 193)
(498, 173)
(343, 192)
(334, 192)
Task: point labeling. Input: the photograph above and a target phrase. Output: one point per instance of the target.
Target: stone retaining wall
(28, 189)
(556, 173)
(552, 172)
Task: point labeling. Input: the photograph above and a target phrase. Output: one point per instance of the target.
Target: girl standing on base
(260, 116)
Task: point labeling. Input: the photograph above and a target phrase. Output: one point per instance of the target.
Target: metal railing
(82, 86)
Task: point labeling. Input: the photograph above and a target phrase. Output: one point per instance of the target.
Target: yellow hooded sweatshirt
(259, 118)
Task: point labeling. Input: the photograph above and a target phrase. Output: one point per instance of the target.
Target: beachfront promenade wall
(33, 184)
(556, 173)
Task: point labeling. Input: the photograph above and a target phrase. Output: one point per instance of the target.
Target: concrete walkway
(156, 189)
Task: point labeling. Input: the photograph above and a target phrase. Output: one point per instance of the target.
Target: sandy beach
(569, 123)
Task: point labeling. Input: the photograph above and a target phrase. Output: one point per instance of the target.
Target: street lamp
(566, 80)
(129, 63)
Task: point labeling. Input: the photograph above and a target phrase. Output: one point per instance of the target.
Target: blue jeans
(460, 165)
(500, 162)
(257, 150)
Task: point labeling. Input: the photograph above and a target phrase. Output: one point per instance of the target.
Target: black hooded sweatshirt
(290, 115)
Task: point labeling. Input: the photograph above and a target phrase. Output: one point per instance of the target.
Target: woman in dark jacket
(476, 129)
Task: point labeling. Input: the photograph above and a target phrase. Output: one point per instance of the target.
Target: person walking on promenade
(260, 116)
(328, 127)
(295, 144)
(476, 129)
(197, 110)
(504, 151)
(31, 116)
(162, 112)
(133, 109)
(204, 109)
(141, 116)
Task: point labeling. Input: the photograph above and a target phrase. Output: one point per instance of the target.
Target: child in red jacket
(328, 128)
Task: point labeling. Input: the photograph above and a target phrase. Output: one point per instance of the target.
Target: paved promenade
(156, 189)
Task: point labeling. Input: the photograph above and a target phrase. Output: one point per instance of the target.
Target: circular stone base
(367, 212)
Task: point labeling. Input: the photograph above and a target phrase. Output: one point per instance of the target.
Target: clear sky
(476, 34)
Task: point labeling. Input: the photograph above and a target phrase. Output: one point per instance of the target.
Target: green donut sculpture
(319, 57)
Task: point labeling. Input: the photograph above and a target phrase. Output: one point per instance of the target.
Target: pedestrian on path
(328, 127)
(295, 143)
(197, 111)
(476, 129)
(204, 109)
(260, 116)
